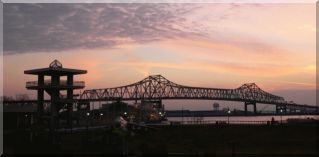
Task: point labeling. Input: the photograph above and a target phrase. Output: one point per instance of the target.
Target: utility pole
(182, 114)
(281, 116)
(228, 114)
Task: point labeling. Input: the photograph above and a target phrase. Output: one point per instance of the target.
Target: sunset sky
(208, 45)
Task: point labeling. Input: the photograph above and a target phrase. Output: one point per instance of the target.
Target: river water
(239, 119)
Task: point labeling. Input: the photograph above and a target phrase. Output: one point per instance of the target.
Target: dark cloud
(57, 27)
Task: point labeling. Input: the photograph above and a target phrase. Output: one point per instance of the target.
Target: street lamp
(182, 114)
(228, 113)
(281, 112)
(87, 119)
(25, 122)
(87, 126)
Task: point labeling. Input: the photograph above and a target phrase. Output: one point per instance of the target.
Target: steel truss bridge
(156, 88)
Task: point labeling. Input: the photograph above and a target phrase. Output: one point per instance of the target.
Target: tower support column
(70, 98)
(40, 96)
(55, 97)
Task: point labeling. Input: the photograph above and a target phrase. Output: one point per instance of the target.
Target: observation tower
(53, 87)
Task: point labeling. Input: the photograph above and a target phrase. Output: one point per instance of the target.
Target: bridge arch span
(158, 87)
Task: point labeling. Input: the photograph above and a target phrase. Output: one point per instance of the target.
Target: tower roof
(55, 68)
(55, 65)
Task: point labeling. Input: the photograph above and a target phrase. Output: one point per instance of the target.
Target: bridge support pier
(250, 103)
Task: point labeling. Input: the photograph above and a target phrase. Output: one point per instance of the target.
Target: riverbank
(297, 139)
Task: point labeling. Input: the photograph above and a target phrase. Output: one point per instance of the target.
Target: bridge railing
(48, 83)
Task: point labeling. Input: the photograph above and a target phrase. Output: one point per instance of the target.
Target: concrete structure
(53, 87)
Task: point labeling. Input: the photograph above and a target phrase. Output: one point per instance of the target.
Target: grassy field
(214, 140)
